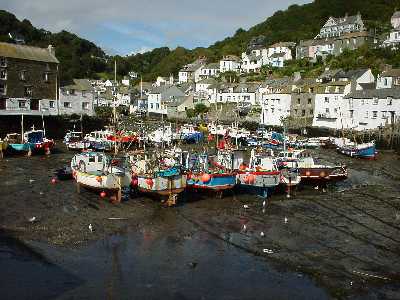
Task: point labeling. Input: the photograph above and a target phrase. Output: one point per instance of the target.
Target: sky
(131, 26)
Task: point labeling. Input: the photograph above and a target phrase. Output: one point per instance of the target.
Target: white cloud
(151, 23)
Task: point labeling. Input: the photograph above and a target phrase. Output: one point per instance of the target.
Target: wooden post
(78, 187)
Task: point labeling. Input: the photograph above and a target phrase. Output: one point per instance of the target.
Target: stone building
(77, 98)
(28, 79)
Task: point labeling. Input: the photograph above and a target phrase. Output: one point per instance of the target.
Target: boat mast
(22, 128)
(284, 136)
(115, 108)
(44, 129)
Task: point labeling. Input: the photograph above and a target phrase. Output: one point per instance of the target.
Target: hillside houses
(191, 72)
(336, 27)
(393, 39)
(229, 63)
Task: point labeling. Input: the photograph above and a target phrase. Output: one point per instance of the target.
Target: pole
(22, 128)
(115, 108)
(44, 129)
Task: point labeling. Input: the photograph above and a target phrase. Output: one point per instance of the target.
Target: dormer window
(28, 91)
(3, 62)
(3, 74)
(46, 77)
(3, 88)
(22, 75)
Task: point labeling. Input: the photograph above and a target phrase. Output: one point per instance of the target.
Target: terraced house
(28, 80)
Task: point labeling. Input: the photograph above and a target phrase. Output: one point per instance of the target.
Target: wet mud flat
(338, 242)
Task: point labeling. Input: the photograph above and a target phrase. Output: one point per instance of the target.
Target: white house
(330, 108)
(278, 53)
(363, 78)
(372, 108)
(209, 70)
(275, 99)
(335, 27)
(388, 79)
(192, 72)
(159, 97)
(251, 63)
(235, 93)
(229, 63)
(78, 98)
(393, 40)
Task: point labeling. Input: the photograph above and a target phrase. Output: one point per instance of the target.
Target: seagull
(316, 188)
(286, 220)
(244, 227)
(324, 190)
(262, 234)
(31, 180)
(90, 227)
(264, 203)
(33, 219)
(245, 206)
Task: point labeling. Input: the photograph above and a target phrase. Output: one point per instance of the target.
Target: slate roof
(208, 81)
(391, 73)
(27, 53)
(396, 14)
(346, 20)
(277, 55)
(375, 93)
(212, 66)
(283, 44)
(82, 85)
(352, 74)
(328, 74)
(231, 58)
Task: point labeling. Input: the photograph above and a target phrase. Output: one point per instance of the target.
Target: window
(384, 115)
(67, 105)
(376, 101)
(92, 159)
(385, 81)
(3, 62)
(366, 114)
(22, 75)
(22, 104)
(85, 105)
(51, 104)
(326, 100)
(3, 74)
(351, 113)
(327, 110)
(28, 91)
(151, 105)
(298, 101)
(309, 100)
(374, 114)
(311, 111)
(295, 111)
(157, 106)
(336, 110)
(303, 112)
(3, 88)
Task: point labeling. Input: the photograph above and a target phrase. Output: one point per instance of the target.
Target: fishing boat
(365, 150)
(99, 171)
(308, 169)
(188, 134)
(261, 176)
(158, 176)
(161, 135)
(205, 173)
(33, 141)
(100, 140)
(73, 140)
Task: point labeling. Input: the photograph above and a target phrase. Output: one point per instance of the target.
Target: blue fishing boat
(206, 174)
(365, 150)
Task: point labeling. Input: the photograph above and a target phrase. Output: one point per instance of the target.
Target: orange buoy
(251, 178)
(205, 178)
(99, 179)
(53, 181)
(103, 194)
(242, 167)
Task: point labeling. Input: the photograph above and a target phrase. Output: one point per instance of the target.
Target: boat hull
(102, 182)
(368, 152)
(262, 183)
(323, 174)
(217, 182)
(160, 185)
